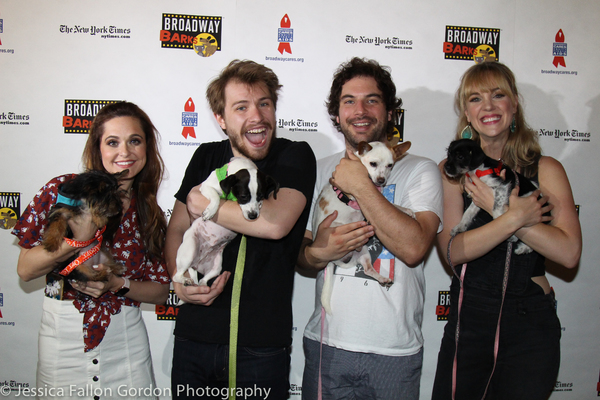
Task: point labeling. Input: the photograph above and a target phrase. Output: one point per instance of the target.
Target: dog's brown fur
(101, 197)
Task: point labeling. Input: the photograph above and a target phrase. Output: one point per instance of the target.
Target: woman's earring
(467, 133)
(513, 124)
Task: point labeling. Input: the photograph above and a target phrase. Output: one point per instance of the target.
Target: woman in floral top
(93, 341)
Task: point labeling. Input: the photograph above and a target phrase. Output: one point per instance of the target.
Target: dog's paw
(386, 282)
(188, 282)
(210, 210)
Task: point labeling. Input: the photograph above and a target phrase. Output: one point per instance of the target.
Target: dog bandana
(222, 174)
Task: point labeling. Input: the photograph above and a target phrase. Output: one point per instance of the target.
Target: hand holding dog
(334, 243)
(526, 211)
(481, 194)
(350, 175)
(82, 227)
(98, 288)
(196, 203)
(530, 210)
(202, 295)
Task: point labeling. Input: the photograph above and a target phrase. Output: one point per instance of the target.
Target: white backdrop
(88, 51)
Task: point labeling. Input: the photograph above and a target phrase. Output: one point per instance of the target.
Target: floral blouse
(127, 248)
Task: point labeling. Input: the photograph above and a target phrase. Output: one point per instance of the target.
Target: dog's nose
(252, 216)
(381, 181)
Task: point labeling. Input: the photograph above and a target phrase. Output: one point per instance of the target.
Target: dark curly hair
(366, 68)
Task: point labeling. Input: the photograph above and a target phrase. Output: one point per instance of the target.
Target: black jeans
(201, 371)
(528, 356)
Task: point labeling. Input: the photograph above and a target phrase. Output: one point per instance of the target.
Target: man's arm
(407, 238)
(332, 243)
(277, 216)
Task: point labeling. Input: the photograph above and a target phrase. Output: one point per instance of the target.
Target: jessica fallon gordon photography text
(87, 391)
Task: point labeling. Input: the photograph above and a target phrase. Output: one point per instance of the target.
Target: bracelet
(124, 289)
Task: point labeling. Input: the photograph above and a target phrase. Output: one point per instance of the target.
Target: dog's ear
(400, 150)
(272, 186)
(268, 185)
(228, 183)
(363, 147)
(121, 175)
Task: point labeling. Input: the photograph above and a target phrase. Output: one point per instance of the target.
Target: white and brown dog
(379, 160)
(203, 243)
(467, 156)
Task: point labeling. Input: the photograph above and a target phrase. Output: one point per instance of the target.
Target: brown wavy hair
(522, 150)
(153, 223)
(364, 68)
(242, 71)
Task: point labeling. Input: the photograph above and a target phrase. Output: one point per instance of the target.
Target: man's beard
(378, 134)
(237, 143)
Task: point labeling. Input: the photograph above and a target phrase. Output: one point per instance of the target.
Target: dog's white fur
(379, 161)
(203, 243)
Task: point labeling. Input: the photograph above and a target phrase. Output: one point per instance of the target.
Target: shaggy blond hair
(522, 150)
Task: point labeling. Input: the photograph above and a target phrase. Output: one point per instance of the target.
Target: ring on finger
(470, 195)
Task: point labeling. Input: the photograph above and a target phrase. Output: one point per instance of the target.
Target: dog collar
(484, 172)
(67, 202)
(222, 174)
(85, 256)
(347, 200)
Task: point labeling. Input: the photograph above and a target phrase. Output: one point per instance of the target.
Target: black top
(266, 298)
(486, 272)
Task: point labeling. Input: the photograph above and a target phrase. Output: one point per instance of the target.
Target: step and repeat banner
(60, 62)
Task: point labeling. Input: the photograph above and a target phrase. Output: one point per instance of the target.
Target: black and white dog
(203, 243)
(465, 155)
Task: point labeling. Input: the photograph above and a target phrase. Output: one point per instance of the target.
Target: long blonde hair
(522, 151)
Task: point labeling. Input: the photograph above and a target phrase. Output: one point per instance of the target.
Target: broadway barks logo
(443, 308)
(10, 209)
(79, 114)
(197, 32)
(168, 311)
(468, 43)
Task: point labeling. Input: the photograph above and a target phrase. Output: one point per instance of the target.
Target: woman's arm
(145, 292)
(560, 240)
(36, 261)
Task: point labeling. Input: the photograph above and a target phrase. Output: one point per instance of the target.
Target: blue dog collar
(65, 201)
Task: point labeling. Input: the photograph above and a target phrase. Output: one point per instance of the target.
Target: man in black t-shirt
(243, 99)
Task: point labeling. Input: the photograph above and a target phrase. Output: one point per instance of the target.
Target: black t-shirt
(266, 298)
